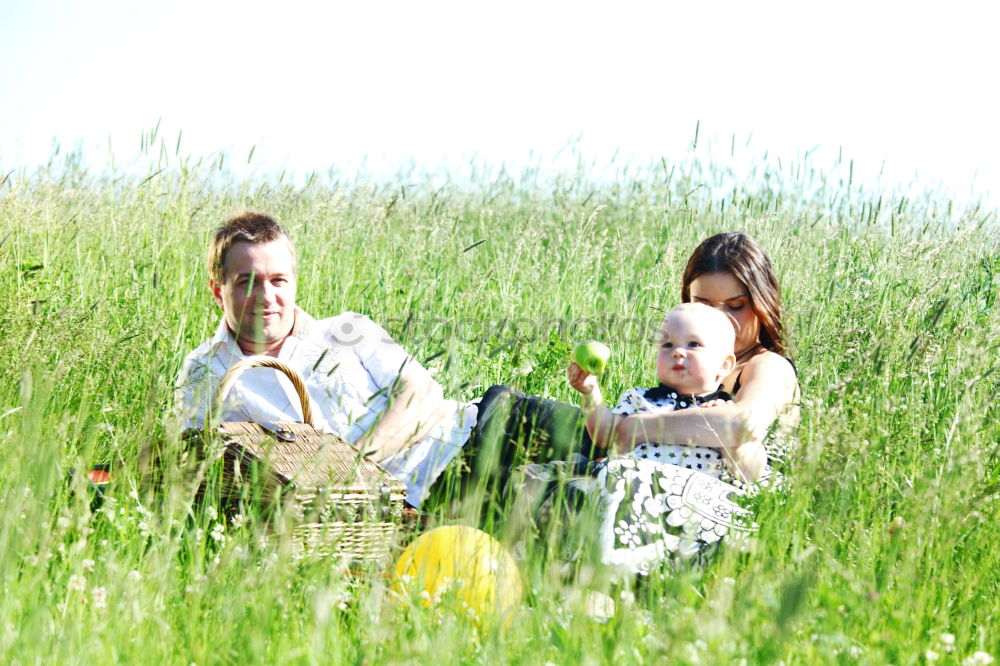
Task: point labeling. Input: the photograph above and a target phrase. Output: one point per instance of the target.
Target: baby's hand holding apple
(580, 379)
(592, 356)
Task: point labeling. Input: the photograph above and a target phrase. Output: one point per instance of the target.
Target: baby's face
(696, 349)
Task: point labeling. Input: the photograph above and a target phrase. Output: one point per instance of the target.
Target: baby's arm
(600, 420)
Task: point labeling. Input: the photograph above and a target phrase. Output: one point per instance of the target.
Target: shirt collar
(663, 392)
(224, 338)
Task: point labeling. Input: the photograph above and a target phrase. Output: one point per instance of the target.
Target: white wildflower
(77, 583)
(947, 642)
(219, 532)
(238, 520)
(88, 565)
(978, 658)
(599, 607)
(692, 653)
(63, 522)
(100, 597)
(134, 576)
(931, 655)
(211, 512)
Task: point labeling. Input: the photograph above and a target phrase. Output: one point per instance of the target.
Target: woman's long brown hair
(735, 252)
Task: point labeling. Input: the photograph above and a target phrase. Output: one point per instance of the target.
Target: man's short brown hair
(248, 226)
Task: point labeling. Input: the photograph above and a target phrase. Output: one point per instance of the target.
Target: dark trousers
(514, 429)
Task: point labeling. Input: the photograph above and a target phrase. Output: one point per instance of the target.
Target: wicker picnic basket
(341, 504)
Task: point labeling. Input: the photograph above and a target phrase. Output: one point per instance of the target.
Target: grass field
(883, 551)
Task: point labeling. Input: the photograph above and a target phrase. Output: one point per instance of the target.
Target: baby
(694, 354)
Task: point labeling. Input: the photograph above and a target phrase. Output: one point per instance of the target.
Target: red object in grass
(99, 476)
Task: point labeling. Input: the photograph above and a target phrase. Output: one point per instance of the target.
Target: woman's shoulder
(769, 376)
(764, 367)
(772, 378)
(770, 364)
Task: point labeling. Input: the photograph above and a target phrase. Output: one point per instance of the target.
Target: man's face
(694, 355)
(257, 294)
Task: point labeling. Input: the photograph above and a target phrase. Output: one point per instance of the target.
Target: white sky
(314, 85)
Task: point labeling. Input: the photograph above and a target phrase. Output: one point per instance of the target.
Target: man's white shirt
(349, 364)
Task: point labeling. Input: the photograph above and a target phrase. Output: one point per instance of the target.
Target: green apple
(592, 356)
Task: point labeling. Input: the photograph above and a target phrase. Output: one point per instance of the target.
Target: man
(363, 386)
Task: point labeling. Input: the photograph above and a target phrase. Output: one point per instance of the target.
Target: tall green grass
(884, 544)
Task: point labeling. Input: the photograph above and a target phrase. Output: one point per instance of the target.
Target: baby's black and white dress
(661, 400)
(662, 502)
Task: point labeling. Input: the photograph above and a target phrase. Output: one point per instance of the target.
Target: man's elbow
(423, 393)
(433, 391)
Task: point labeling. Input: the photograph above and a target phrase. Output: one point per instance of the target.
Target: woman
(654, 512)
(731, 272)
(727, 271)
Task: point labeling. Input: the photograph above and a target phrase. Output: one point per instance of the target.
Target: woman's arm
(768, 387)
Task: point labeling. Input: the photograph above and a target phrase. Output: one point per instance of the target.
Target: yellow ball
(462, 564)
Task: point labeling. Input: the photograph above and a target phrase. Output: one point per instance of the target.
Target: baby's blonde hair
(722, 325)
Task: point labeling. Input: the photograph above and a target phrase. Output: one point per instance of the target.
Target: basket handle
(250, 362)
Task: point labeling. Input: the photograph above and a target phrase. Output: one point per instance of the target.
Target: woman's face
(724, 292)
